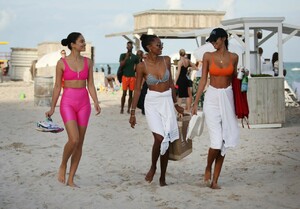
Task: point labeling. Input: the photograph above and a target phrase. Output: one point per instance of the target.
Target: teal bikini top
(152, 80)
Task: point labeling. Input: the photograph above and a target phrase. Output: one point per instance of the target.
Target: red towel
(240, 100)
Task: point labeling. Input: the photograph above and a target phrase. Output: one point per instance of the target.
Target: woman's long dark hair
(274, 58)
(226, 43)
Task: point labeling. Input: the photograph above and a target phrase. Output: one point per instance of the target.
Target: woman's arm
(203, 80)
(57, 87)
(172, 86)
(137, 92)
(138, 84)
(179, 64)
(91, 87)
(193, 66)
(235, 60)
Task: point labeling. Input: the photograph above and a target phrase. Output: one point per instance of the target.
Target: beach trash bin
(43, 88)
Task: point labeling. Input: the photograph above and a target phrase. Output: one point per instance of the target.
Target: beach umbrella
(49, 60)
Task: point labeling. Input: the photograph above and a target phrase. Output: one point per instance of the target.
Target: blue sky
(28, 23)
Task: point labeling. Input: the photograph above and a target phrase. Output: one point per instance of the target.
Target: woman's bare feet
(207, 177)
(150, 174)
(162, 182)
(72, 184)
(62, 174)
(215, 186)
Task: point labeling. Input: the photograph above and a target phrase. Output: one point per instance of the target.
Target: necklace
(221, 59)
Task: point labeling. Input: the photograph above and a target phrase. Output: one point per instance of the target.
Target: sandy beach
(262, 172)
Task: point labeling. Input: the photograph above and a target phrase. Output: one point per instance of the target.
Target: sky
(27, 23)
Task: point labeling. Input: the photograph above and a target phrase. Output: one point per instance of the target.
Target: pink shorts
(75, 105)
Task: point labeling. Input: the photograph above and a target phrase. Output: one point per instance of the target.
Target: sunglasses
(161, 45)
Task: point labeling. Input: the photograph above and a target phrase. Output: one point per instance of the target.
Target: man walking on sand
(128, 62)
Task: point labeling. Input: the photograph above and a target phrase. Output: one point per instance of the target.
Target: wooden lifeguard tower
(170, 24)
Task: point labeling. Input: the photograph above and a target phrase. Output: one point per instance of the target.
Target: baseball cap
(216, 33)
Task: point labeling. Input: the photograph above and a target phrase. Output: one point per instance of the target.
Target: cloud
(122, 21)
(229, 7)
(6, 16)
(174, 4)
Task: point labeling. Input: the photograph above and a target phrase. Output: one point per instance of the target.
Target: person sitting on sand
(109, 80)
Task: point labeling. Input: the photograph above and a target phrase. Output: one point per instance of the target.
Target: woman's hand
(194, 109)
(179, 109)
(132, 121)
(49, 113)
(97, 108)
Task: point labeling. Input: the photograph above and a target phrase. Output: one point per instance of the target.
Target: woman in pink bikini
(75, 106)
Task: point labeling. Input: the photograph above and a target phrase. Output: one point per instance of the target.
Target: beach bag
(120, 74)
(196, 125)
(240, 101)
(181, 147)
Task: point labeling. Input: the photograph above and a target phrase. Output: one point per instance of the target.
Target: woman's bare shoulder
(141, 66)
(60, 63)
(207, 55)
(166, 58)
(90, 61)
(233, 55)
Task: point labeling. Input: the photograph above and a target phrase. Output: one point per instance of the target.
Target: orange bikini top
(217, 71)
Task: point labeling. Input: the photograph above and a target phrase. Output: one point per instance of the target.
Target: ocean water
(292, 68)
(293, 76)
(114, 67)
(293, 72)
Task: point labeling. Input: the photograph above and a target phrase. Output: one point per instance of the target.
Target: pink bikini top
(70, 74)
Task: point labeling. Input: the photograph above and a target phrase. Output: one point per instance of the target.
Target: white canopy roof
(244, 28)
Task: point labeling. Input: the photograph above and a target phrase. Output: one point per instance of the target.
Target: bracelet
(132, 116)
(176, 103)
(132, 109)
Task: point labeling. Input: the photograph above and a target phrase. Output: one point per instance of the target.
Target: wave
(295, 69)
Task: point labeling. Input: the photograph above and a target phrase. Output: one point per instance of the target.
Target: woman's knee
(158, 138)
(74, 141)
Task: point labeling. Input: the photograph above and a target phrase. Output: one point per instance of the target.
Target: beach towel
(220, 118)
(161, 117)
(240, 101)
(196, 125)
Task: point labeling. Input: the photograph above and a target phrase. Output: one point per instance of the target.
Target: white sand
(262, 172)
